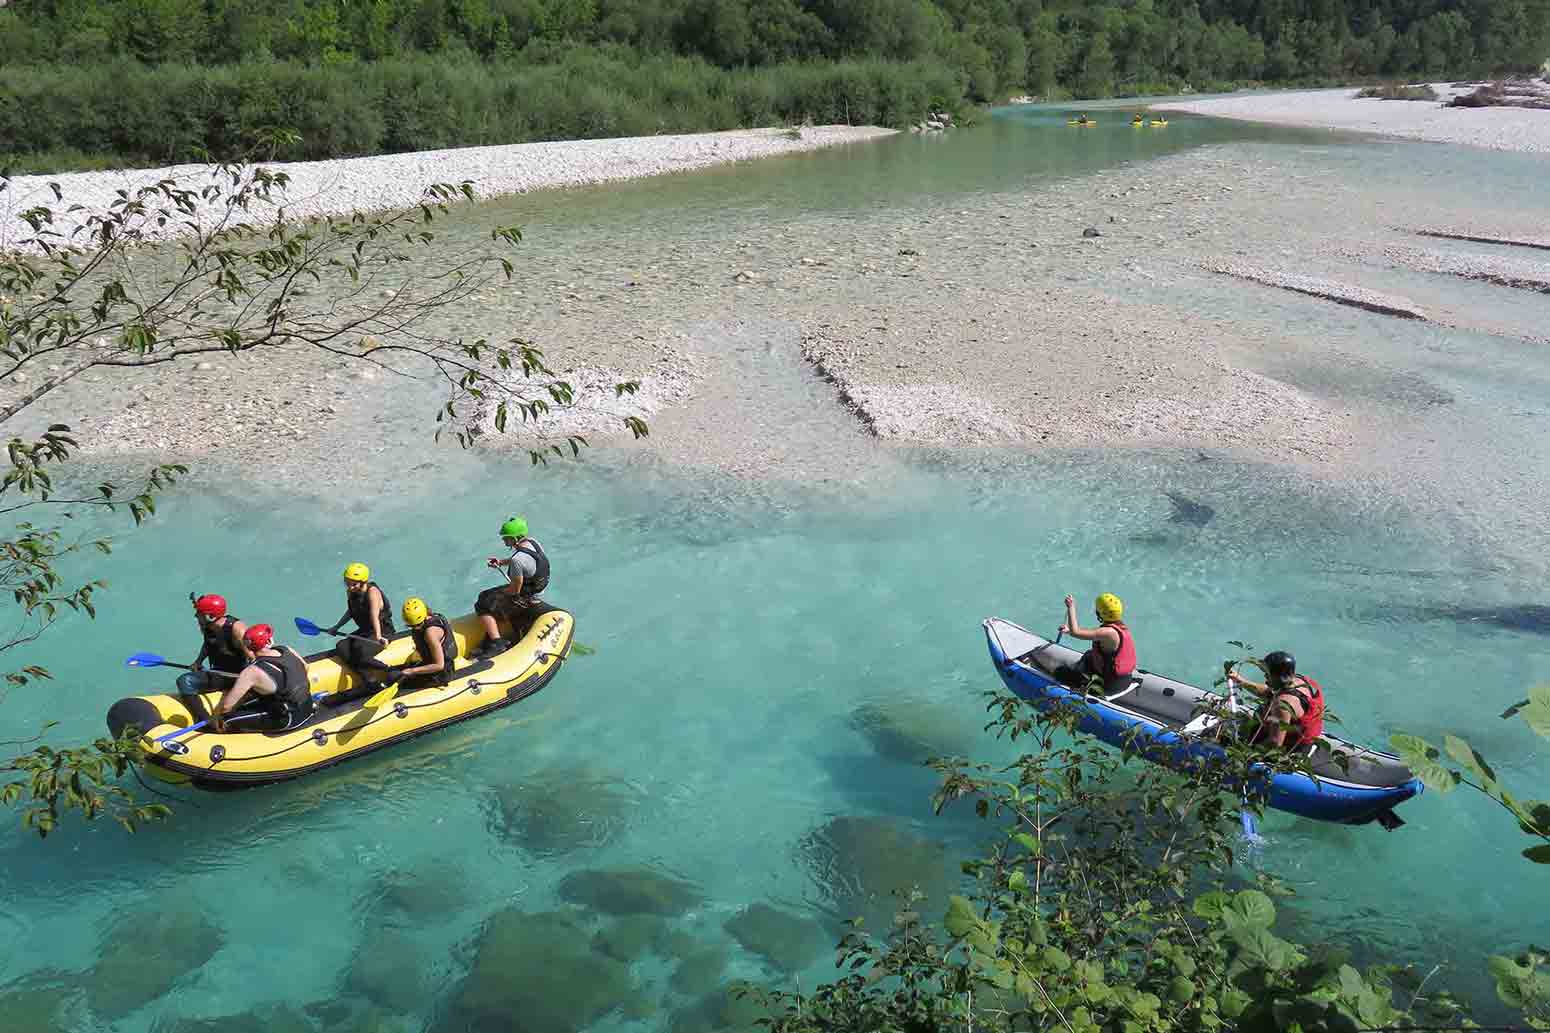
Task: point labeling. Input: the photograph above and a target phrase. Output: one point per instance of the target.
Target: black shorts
(268, 714)
(357, 652)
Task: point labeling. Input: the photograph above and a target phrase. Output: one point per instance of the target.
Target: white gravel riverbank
(347, 185)
(1497, 128)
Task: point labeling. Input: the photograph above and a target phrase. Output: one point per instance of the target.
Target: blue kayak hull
(1320, 798)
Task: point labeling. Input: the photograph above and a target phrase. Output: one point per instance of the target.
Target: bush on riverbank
(172, 113)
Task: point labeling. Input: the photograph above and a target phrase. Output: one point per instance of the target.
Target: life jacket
(1310, 725)
(292, 686)
(360, 610)
(221, 650)
(422, 644)
(540, 579)
(1122, 663)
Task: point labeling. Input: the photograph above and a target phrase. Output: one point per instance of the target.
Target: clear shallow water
(739, 634)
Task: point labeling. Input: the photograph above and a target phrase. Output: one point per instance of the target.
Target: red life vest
(1123, 662)
(1311, 724)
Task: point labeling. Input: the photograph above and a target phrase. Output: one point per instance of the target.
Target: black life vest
(422, 644)
(221, 650)
(360, 610)
(540, 579)
(292, 685)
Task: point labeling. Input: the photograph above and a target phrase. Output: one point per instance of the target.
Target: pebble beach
(1001, 319)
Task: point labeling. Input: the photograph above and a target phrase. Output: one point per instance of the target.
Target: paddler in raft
(1292, 715)
(1113, 654)
(367, 605)
(222, 647)
(435, 649)
(527, 573)
(277, 677)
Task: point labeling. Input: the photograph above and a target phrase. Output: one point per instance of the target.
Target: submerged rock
(862, 862)
(534, 972)
(145, 955)
(428, 890)
(629, 891)
(268, 1019)
(914, 732)
(700, 972)
(557, 812)
(717, 1011)
(630, 937)
(394, 971)
(787, 941)
(33, 1006)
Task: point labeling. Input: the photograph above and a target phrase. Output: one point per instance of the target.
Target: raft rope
(319, 736)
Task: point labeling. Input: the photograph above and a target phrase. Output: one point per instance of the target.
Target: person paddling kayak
(1113, 654)
(1292, 715)
(527, 573)
(367, 605)
(221, 647)
(278, 679)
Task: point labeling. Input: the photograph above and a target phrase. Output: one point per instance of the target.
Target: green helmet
(516, 527)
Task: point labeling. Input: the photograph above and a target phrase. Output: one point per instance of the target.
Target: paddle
(153, 660)
(306, 627)
(1245, 816)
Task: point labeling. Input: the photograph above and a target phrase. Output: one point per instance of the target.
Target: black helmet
(1280, 664)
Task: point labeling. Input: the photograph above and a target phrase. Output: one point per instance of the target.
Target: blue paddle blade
(145, 660)
(306, 627)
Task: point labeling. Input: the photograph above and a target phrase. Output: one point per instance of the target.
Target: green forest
(91, 82)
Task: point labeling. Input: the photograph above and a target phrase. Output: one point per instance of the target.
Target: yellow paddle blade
(382, 697)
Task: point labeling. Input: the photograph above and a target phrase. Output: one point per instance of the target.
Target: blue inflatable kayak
(1177, 724)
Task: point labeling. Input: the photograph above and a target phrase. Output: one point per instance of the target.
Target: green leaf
(1055, 959)
(1017, 881)
(1250, 908)
(1351, 982)
(1421, 757)
(1475, 764)
(961, 917)
(1209, 905)
(1538, 854)
(1537, 713)
(1028, 842)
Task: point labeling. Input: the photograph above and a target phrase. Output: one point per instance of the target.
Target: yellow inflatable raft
(342, 726)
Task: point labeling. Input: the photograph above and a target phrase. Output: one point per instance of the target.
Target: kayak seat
(1131, 686)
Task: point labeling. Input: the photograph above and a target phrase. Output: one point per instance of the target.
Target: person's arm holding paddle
(1108, 636)
(234, 696)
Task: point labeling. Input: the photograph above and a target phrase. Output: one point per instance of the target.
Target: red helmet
(258, 636)
(212, 606)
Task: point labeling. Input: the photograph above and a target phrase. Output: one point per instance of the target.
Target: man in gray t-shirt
(518, 600)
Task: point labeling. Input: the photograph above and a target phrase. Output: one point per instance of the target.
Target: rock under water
(144, 955)
(629, 891)
(535, 972)
(560, 811)
(789, 942)
(864, 863)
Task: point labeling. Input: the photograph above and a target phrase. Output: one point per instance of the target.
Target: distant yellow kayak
(1076, 122)
(1159, 121)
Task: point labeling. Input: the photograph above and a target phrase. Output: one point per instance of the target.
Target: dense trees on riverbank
(367, 75)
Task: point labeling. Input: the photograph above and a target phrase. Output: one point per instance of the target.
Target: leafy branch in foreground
(213, 265)
(1107, 902)
(1474, 771)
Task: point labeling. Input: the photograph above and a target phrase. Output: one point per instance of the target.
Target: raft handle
(400, 709)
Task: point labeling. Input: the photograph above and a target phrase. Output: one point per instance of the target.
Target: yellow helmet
(1109, 607)
(415, 611)
(357, 572)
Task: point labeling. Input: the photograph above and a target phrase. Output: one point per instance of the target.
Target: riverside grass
(178, 113)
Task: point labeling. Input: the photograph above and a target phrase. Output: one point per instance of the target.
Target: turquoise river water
(767, 666)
